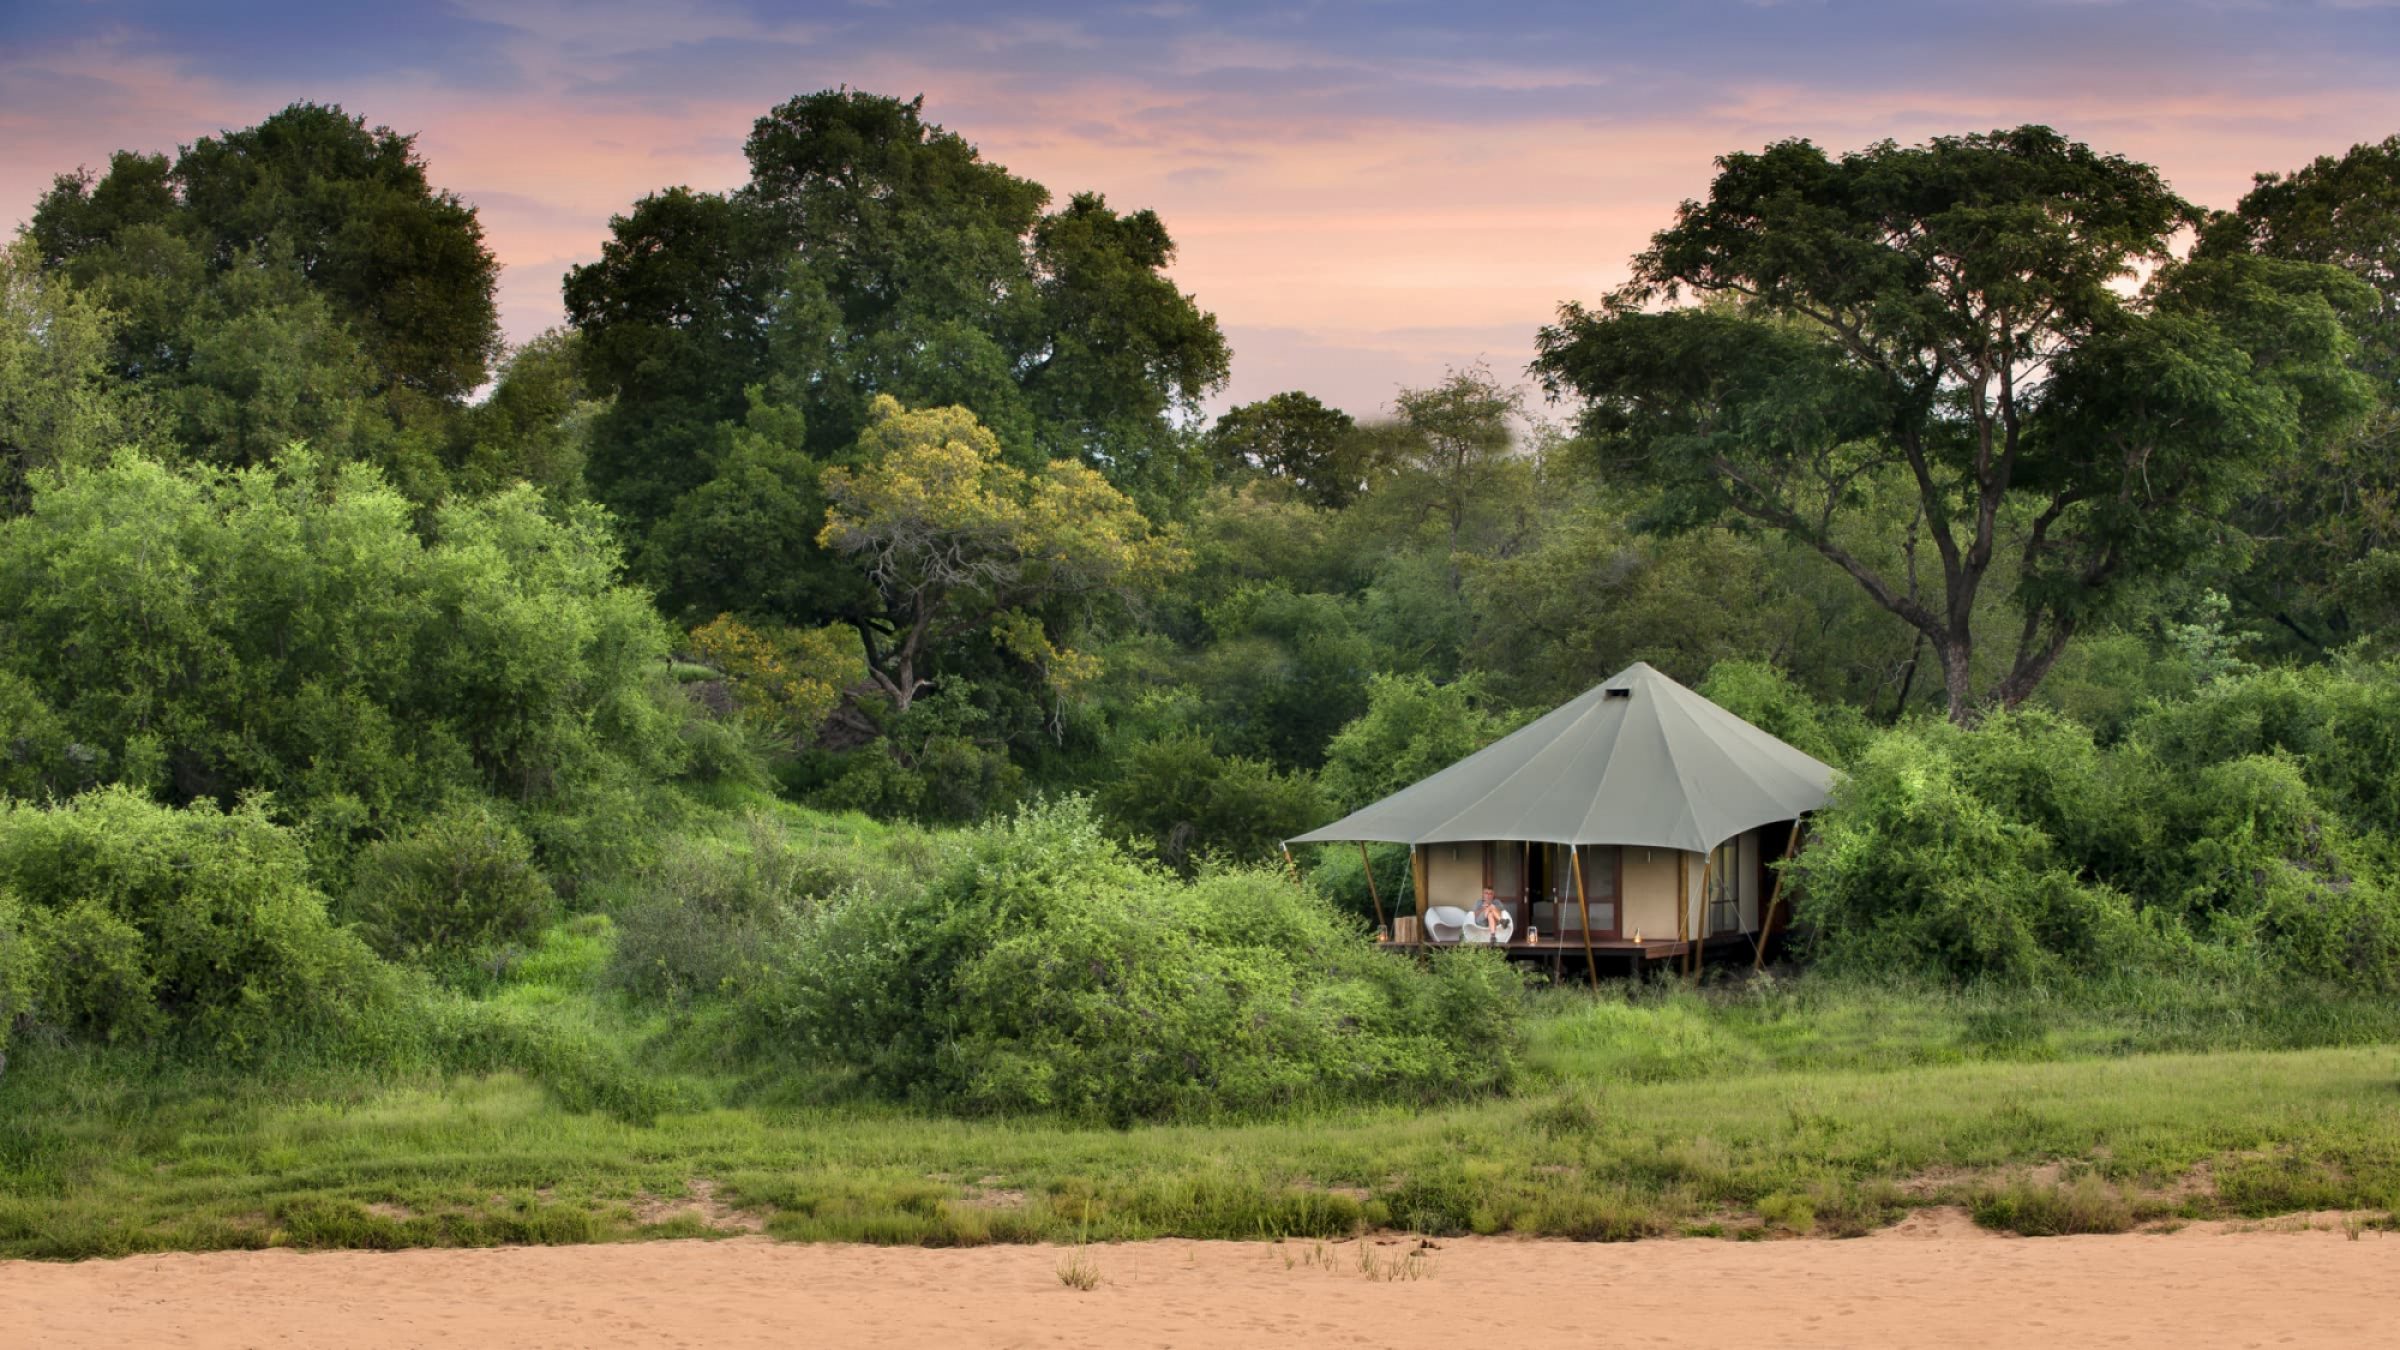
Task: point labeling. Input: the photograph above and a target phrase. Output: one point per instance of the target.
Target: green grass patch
(539, 1107)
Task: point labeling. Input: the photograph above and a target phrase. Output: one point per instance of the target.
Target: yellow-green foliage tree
(786, 680)
(958, 541)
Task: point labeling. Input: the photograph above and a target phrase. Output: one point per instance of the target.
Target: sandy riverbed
(1934, 1281)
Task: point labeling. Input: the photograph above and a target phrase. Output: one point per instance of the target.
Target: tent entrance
(1550, 881)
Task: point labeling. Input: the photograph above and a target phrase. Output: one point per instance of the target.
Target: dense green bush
(305, 631)
(1045, 969)
(1412, 727)
(1337, 872)
(708, 917)
(461, 880)
(1185, 799)
(2340, 723)
(1940, 853)
(140, 922)
(2209, 837)
(19, 976)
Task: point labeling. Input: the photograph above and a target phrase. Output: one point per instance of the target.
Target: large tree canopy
(2329, 523)
(1293, 438)
(956, 540)
(874, 253)
(299, 280)
(350, 208)
(1957, 316)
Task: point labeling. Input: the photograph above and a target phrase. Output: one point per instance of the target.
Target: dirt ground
(1933, 1281)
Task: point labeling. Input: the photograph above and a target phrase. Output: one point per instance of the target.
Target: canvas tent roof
(1638, 759)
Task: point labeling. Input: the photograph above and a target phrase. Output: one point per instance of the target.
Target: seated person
(1488, 911)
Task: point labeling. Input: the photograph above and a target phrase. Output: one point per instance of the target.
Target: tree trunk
(1958, 679)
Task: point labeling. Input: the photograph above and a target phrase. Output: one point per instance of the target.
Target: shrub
(708, 913)
(2233, 831)
(1411, 728)
(1337, 872)
(786, 680)
(1044, 969)
(2341, 725)
(20, 971)
(1941, 852)
(1188, 800)
(303, 629)
(461, 880)
(141, 921)
(2031, 1209)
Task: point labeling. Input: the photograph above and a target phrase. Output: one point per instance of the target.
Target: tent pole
(1372, 897)
(1416, 870)
(1700, 931)
(1291, 864)
(1766, 921)
(1683, 897)
(1591, 963)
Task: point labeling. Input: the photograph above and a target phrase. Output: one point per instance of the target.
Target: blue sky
(1363, 193)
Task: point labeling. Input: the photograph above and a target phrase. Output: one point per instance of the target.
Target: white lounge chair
(1492, 935)
(1446, 923)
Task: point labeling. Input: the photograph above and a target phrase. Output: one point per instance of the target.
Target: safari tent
(1639, 821)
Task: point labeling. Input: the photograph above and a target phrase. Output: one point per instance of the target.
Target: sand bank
(1934, 1281)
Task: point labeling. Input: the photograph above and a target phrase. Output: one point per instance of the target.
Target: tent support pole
(1372, 898)
(1683, 899)
(1766, 921)
(1700, 929)
(1416, 876)
(1291, 864)
(1591, 963)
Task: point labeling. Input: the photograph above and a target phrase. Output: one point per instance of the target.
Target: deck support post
(1591, 963)
(1766, 920)
(1372, 898)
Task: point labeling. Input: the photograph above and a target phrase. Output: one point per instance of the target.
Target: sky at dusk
(1364, 193)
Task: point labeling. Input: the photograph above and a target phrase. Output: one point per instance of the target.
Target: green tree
(60, 404)
(1284, 672)
(2328, 522)
(673, 326)
(1458, 435)
(1191, 802)
(300, 279)
(205, 635)
(745, 541)
(1412, 728)
(874, 253)
(351, 207)
(957, 541)
(532, 428)
(1950, 316)
(1294, 438)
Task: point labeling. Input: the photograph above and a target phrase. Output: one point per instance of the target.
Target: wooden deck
(1617, 955)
